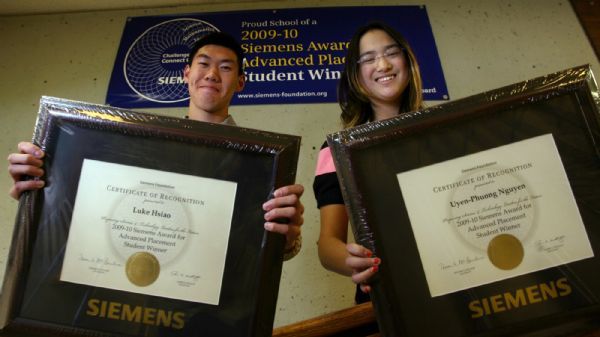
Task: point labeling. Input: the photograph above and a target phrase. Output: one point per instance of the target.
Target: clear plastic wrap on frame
(371, 159)
(72, 133)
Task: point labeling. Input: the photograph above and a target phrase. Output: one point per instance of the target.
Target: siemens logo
(170, 80)
(135, 314)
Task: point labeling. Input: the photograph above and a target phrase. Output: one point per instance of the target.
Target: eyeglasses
(390, 54)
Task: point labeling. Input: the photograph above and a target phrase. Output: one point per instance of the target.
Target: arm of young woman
(337, 255)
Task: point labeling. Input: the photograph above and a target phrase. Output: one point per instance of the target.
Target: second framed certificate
(484, 211)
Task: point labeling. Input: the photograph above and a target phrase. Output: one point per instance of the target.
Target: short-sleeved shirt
(326, 185)
(328, 192)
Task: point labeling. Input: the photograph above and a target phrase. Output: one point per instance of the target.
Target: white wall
(483, 44)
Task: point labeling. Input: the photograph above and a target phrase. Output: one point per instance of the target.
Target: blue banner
(291, 55)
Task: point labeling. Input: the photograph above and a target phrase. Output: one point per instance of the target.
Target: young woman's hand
(363, 265)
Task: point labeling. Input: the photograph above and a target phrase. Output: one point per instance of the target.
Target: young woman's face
(383, 69)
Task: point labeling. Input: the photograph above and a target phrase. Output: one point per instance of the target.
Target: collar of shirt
(227, 121)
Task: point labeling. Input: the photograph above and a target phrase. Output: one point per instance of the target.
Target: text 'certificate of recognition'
(493, 215)
(150, 232)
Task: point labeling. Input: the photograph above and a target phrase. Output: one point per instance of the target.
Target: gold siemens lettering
(136, 314)
(521, 297)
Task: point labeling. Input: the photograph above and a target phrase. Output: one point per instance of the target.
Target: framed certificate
(484, 210)
(148, 226)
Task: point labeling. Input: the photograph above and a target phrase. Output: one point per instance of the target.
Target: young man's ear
(241, 82)
(186, 73)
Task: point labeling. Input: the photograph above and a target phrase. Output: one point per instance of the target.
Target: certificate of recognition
(150, 232)
(494, 215)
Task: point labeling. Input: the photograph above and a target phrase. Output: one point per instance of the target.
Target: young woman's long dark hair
(353, 98)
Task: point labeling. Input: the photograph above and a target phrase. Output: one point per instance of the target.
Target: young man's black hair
(219, 39)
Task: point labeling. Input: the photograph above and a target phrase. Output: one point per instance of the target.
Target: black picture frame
(35, 302)
(368, 157)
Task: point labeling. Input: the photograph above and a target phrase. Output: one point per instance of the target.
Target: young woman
(381, 79)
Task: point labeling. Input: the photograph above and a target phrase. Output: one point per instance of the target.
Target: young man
(213, 75)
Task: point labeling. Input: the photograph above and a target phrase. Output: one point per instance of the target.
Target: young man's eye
(226, 68)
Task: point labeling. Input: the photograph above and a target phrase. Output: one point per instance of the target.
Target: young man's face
(213, 78)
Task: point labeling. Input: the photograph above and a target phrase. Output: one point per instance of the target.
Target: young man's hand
(26, 163)
(286, 204)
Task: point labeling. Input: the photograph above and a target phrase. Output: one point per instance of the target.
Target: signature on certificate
(185, 279)
(550, 245)
(99, 264)
(461, 265)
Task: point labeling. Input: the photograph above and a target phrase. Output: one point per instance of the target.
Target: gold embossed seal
(505, 251)
(142, 269)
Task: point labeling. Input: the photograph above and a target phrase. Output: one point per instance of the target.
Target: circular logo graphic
(142, 269)
(505, 251)
(155, 61)
(494, 214)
